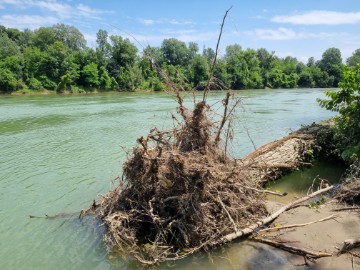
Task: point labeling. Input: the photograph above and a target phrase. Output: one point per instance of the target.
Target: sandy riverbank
(324, 236)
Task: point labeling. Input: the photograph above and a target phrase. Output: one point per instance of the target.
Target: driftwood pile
(180, 192)
(349, 192)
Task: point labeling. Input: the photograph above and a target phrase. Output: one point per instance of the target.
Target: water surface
(58, 153)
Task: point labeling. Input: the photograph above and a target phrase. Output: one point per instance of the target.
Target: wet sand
(324, 236)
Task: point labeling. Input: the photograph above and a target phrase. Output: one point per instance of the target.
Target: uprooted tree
(180, 191)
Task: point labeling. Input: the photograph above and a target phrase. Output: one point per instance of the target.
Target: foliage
(49, 53)
(346, 102)
(354, 59)
(331, 63)
(91, 75)
(8, 81)
(35, 84)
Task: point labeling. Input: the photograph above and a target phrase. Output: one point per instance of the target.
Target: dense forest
(57, 58)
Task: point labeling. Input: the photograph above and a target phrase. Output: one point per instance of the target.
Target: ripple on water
(58, 153)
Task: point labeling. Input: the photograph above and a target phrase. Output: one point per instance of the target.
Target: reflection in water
(297, 184)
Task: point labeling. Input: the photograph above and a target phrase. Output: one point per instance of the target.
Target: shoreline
(327, 236)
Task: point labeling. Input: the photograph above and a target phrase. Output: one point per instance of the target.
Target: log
(296, 225)
(294, 250)
(249, 230)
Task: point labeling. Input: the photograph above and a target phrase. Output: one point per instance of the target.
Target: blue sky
(297, 28)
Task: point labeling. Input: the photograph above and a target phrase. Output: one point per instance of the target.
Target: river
(58, 153)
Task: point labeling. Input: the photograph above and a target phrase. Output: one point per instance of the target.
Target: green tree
(33, 63)
(56, 61)
(331, 63)
(104, 79)
(35, 84)
(8, 82)
(289, 65)
(222, 77)
(70, 36)
(208, 54)
(236, 66)
(15, 64)
(175, 52)
(91, 75)
(311, 62)
(354, 59)
(123, 56)
(265, 62)
(199, 70)
(103, 48)
(306, 79)
(8, 47)
(44, 37)
(346, 101)
(276, 78)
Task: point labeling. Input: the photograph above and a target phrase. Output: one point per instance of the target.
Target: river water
(58, 153)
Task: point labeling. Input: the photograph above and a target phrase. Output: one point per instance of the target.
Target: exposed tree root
(181, 192)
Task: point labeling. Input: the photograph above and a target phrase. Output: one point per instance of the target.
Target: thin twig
(212, 69)
(295, 225)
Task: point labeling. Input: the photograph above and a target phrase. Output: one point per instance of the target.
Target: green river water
(58, 153)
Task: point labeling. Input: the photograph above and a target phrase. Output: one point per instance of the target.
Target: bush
(47, 83)
(8, 82)
(346, 101)
(35, 85)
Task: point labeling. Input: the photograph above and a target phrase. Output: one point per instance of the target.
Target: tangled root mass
(180, 191)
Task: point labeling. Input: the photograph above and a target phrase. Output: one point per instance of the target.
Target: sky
(301, 29)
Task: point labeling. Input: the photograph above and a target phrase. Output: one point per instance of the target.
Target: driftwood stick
(292, 249)
(347, 209)
(265, 191)
(296, 225)
(228, 214)
(270, 218)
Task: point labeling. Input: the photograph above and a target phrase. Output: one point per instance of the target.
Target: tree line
(57, 58)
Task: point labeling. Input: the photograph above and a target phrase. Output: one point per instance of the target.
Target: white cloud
(63, 10)
(275, 34)
(26, 21)
(146, 21)
(56, 11)
(176, 22)
(282, 33)
(164, 21)
(89, 12)
(317, 17)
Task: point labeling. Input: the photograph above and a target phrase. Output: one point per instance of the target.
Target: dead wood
(295, 225)
(295, 250)
(349, 192)
(346, 209)
(272, 217)
(180, 191)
